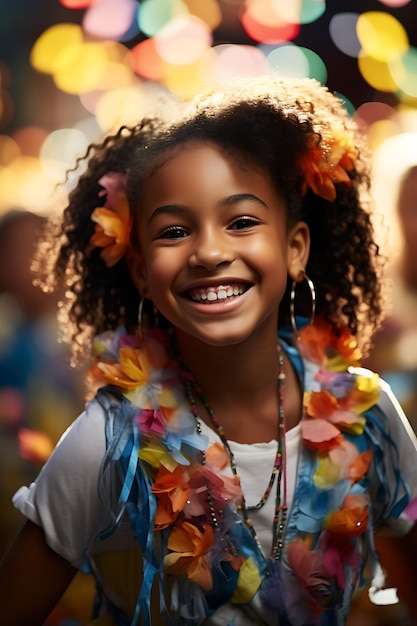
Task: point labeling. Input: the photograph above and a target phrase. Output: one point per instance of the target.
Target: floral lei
(319, 545)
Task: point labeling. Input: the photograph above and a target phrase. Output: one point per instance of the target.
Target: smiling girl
(234, 462)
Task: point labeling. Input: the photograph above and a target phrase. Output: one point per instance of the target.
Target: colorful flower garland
(321, 535)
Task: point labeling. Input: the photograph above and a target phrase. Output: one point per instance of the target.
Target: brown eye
(173, 232)
(243, 223)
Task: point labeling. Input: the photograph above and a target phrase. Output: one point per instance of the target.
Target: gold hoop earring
(292, 301)
(142, 316)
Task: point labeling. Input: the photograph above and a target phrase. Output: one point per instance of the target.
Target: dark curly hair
(272, 122)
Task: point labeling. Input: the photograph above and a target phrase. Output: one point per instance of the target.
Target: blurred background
(73, 70)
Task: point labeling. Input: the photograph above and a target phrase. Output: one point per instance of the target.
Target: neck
(237, 371)
(240, 384)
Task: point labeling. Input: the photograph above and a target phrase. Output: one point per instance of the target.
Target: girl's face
(214, 246)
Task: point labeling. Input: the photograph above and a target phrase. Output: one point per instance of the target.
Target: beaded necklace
(278, 470)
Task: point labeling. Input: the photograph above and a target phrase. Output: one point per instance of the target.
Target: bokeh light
(404, 72)
(381, 35)
(264, 23)
(146, 60)
(311, 10)
(208, 11)
(342, 29)
(103, 63)
(376, 73)
(183, 40)
(53, 44)
(155, 14)
(234, 61)
(291, 60)
(110, 19)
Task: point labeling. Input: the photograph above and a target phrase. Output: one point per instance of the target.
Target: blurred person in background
(394, 349)
(35, 379)
(395, 345)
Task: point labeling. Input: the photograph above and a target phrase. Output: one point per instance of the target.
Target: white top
(65, 502)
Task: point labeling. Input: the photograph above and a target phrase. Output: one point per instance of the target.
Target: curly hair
(269, 121)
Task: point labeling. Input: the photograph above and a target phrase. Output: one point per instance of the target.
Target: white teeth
(213, 294)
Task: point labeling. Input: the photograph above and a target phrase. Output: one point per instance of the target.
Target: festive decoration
(113, 221)
(328, 164)
(198, 499)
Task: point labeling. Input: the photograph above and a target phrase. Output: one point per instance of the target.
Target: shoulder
(73, 467)
(391, 408)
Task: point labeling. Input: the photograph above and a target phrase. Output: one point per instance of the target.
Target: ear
(137, 271)
(298, 250)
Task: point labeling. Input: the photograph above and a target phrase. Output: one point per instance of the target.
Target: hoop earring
(142, 316)
(292, 301)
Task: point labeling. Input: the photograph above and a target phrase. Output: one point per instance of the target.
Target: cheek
(268, 252)
(161, 268)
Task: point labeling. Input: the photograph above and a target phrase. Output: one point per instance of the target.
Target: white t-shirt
(65, 502)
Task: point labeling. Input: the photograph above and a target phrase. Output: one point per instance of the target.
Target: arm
(399, 559)
(32, 579)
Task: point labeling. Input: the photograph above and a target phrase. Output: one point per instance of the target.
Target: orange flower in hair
(327, 164)
(113, 220)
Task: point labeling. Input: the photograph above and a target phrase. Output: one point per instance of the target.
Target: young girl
(220, 475)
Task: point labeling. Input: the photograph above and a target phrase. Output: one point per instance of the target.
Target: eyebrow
(241, 197)
(178, 209)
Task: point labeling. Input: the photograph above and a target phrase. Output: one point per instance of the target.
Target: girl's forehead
(174, 152)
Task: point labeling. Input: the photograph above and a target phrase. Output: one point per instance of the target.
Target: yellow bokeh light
(81, 68)
(121, 106)
(376, 73)
(381, 35)
(207, 11)
(186, 81)
(9, 149)
(45, 54)
(25, 184)
(380, 131)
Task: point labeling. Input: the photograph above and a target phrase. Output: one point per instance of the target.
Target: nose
(211, 249)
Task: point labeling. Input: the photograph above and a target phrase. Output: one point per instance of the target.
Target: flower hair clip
(113, 220)
(327, 164)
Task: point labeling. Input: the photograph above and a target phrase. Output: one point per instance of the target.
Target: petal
(114, 183)
(327, 473)
(112, 254)
(199, 572)
(216, 456)
(178, 563)
(352, 519)
(248, 582)
(99, 239)
(110, 222)
(319, 431)
(359, 466)
(320, 403)
(348, 422)
(112, 373)
(134, 365)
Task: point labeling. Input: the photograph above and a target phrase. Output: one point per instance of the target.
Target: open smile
(218, 293)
